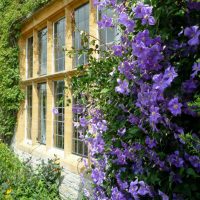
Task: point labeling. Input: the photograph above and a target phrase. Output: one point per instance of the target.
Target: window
(42, 35)
(81, 24)
(59, 44)
(106, 35)
(42, 91)
(78, 145)
(59, 117)
(29, 111)
(29, 57)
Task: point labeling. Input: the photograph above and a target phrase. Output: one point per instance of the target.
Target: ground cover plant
(20, 181)
(140, 102)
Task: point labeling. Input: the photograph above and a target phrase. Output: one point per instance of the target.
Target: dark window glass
(59, 45)
(78, 145)
(30, 57)
(29, 112)
(59, 117)
(42, 91)
(42, 35)
(81, 24)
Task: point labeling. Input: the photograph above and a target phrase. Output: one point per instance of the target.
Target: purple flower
(154, 114)
(137, 166)
(133, 119)
(121, 131)
(83, 122)
(86, 192)
(139, 49)
(175, 160)
(97, 145)
(106, 22)
(133, 189)
(126, 68)
(149, 20)
(122, 185)
(159, 82)
(102, 126)
(121, 157)
(163, 195)
(123, 18)
(144, 12)
(146, 98)
(162, 81)
(77, 109)
(170, 75)
(174, 106)
(151, 143)
(117, 50)
(128, 23)
(189, 86)
(138, 10)
(143, 189)
(193, 33)
(55, 111)
(97, 176)
(194, 5)
(117, 195)
(123, 87)
(195, 69)
(195, 161)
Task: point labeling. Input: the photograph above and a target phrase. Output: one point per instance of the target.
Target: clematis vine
(193, 34)
(141, 128)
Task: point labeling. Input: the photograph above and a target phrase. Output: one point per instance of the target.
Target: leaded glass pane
(78, 146)
(42, 91)
(42, 35)
(59, 118)
(30, 57)
(29, 112)
(107, 35)
(81, 24)
(59, 45)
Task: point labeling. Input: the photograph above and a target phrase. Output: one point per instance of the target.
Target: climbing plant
(141, 119)
(12, 13)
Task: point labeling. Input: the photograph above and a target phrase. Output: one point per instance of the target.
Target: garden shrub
(20, 181)
(141, 119)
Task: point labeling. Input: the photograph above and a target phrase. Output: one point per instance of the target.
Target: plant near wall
(142, 117)
(12, 12)
(21, 181)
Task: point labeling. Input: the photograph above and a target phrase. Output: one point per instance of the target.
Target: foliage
(12, 12)
(141, 118)
(20, 181)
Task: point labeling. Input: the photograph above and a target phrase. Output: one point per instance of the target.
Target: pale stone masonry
(47, 17)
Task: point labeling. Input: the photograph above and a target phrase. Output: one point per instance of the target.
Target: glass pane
(82, 24)
(42, 35)
(78, 146)
(59, 120)
(107, 35)
(29, 111)
(30, 57)
(59, 45)
(110, 35)
(42, 112)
